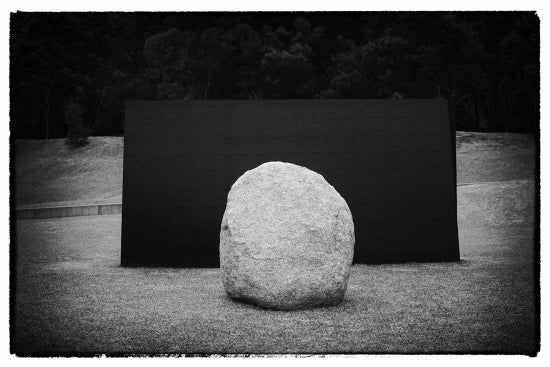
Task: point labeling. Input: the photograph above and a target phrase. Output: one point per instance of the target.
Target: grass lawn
(73, 297)
(52, 173)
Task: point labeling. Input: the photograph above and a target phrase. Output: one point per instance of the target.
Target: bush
(77, 131)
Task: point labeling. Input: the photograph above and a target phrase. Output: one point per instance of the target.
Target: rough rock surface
(286, 239)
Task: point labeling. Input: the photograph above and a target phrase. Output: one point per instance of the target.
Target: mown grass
(51, 173)
(494, 156)
(73, 297)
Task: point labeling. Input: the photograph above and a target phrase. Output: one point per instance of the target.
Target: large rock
(286, 239)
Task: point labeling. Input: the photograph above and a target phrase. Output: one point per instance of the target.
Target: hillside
(52, 172)
(49, 172)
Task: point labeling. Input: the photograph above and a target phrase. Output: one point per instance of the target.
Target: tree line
(486, 63)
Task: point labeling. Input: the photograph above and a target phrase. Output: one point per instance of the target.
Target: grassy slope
(52, 173)
(73, 297)
(494, 156)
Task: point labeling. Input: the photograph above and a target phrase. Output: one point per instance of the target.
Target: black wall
(393, 161)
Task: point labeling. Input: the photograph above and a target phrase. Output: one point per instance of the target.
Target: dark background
(391, 160)
(485, 63)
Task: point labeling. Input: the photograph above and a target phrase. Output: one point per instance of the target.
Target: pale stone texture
(286, 239)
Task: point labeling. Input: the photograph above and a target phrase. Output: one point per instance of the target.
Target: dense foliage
(487, 63)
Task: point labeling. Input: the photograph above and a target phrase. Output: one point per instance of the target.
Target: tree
(169, 56)
(486, 63)
(78, 132)
(287, 69)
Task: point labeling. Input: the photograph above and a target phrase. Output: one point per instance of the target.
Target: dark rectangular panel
(393, 161)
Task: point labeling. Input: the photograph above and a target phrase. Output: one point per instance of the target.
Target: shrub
(77, 131)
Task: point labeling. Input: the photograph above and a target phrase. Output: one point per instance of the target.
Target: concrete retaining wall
(103, 209)
(68, 211)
